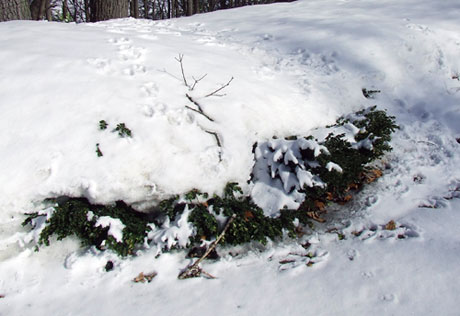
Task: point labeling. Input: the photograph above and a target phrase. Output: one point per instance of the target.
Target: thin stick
(216, 136)
(197, 111)
(223, 87)
(180, 59)
(196, 81)
(200, 109)
(194, 270)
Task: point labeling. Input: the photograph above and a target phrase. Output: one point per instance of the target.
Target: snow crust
(115, 226)
(297, 66)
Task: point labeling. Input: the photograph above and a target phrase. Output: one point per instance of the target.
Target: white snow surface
(115, 226)
(296, 66)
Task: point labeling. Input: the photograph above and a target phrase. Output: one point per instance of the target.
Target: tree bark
(14, 10)
(135, 9)
(102, 10)
(146, 9)
(189, 7)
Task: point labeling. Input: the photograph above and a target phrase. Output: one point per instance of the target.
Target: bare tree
(108, 9)
(14, 10)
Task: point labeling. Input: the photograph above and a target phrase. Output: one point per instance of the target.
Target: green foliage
(103, 125)
(98, 151)
(77, 217)
(122, 130)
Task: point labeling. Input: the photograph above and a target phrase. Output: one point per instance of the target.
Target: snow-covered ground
(296, 66)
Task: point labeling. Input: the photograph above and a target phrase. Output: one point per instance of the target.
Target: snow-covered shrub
(299, 172)
(117, 227)
(209, 215)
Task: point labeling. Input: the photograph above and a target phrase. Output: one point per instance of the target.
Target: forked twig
(223, 87)
(180, 59)
(194, 271)
(197, 80)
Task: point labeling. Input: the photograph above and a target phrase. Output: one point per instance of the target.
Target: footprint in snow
(128, 52)
(150, 89)
(391, 231)
(388, 298)
(309, 258)
(151, 110)
(133, 70)
(102, 65)
(120, 41)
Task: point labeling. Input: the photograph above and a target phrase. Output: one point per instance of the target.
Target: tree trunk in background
(196, 7)
(189, 7)
(135, 9)
(14, 10)
(36, 8)
(146, 9)
(49, 14)
(102, 10)
(87, 11)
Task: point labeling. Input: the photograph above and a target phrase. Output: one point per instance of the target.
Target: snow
(296, 67)
(115, 226)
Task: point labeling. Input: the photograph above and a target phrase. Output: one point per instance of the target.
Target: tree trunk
(49, 13)
(135, 9)
(146, 9)
(87, 11)
(14, 10)
(189, 7)
(102, 10)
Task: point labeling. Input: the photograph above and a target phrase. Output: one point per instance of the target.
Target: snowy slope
(296, 66)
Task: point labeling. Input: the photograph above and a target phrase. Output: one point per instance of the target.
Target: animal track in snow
(309, 258)
(101, 64)
(135, 69)
(391, 230)
(150, 89)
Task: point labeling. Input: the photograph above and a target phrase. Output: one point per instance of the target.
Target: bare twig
(223, 87)
(194, 270)
(180, 59)
(196, 81)
(199, 112)
(200, 109)
(216, 136)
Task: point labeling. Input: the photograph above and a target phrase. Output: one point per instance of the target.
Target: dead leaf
(2, 296)
(391, 225)
(329, 196)
(141, 278)
(286, 261)
(315, 216)
(248, 215)
(372, 175)
(320, 205)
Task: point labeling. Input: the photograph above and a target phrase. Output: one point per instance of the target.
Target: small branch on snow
(216, 136)
(214, 93)
(194, 271)
(200, 109)
(196, 81)
(180, 59)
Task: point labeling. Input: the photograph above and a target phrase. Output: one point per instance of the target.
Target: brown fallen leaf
(315, 216)
(391, 225)
(2, 296)
(372, 175)
(320, 205)
(144, 277)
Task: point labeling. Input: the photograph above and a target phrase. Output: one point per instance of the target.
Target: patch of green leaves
(77, 217)
(123, 130)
